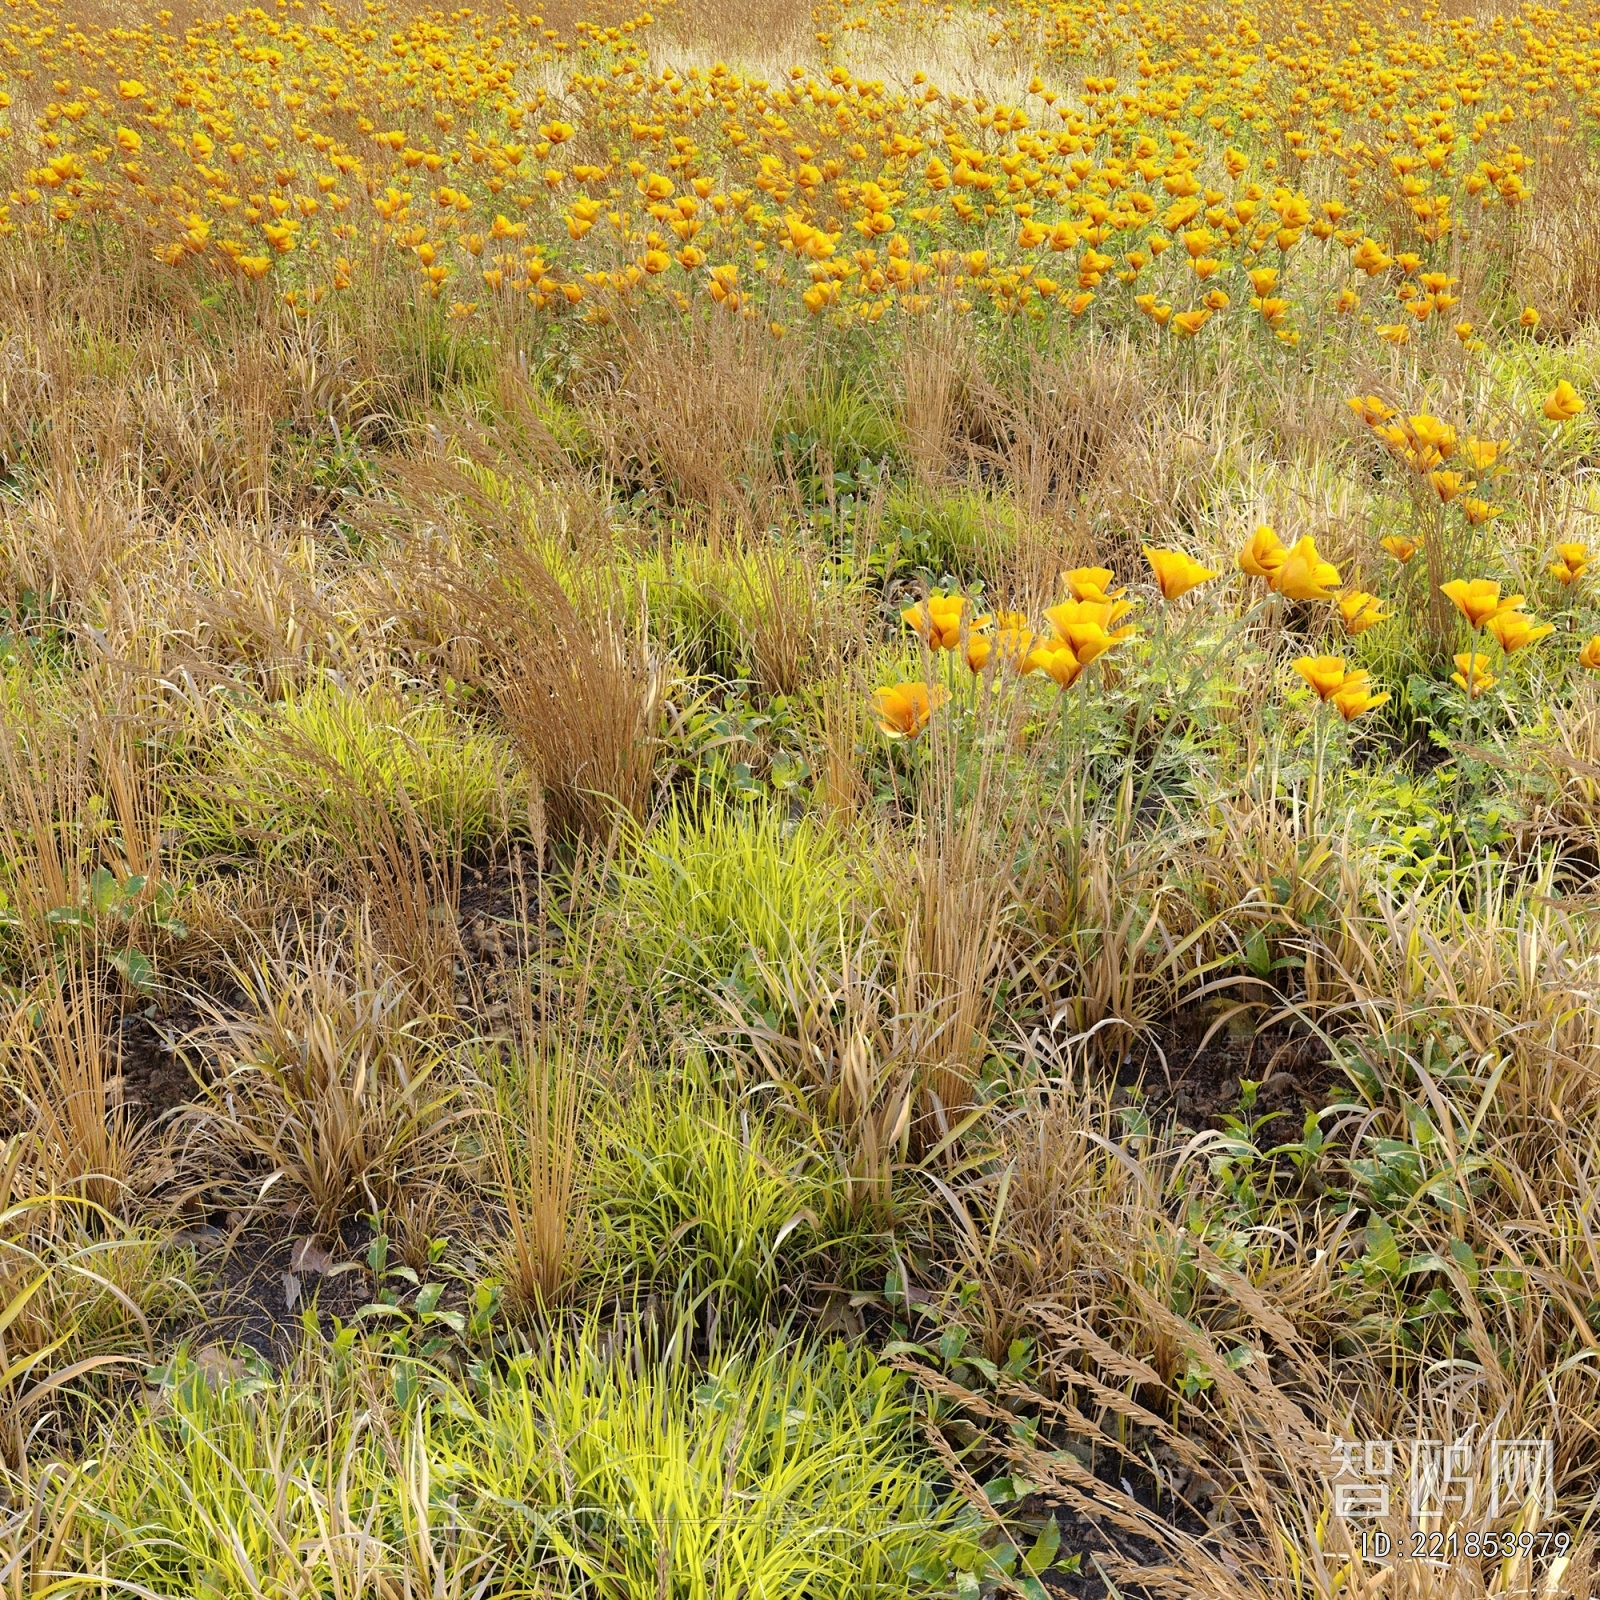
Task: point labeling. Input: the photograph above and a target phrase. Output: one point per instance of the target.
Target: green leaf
(1436, 1303)
(428, 1297)
(406, 1383)
(1462, 1253)
(103, 891)
(1420, 1264)
(1383, 1251)
(1044, 1548)
(904, 1347)
(137, 968)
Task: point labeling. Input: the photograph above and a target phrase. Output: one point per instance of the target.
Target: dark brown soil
(1087, 1537)
(1190, 1066)
(158, 1051)
(265, 1279)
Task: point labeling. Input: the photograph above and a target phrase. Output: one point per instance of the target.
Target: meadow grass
(851, 755)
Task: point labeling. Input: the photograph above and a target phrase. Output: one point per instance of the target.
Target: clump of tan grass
(580, 696)
(330, 1079)
(540, 1087)
(694, 411)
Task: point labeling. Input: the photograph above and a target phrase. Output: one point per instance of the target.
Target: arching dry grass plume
(580, 693)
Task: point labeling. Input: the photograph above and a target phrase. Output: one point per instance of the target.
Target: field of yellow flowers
(800, 800)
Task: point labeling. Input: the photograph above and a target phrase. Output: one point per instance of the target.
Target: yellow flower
(1433, 440)
(1189, 323)
(1325, 674)
(1571, 559)
(1354, 697)
(1370, 409)
(937, 621)
(1483, 453)
(1369, 258)
(1086, 626)
(1361, 611)
(905, 709)
(1056, 659)
(1401, 548)
(1589, 656)
(1447, 485)
(1264, 555)
(1304, 575)
(1015, 638)
(1563, 403)
(130, 89)
(1478, 665)
(1091, 583)
(1011, 642)
(1476, 510)
(1529, 318)
(1176, 572)
(1513, 629)
(1477, 599)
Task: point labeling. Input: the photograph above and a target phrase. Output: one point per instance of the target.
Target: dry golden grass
(652, 557)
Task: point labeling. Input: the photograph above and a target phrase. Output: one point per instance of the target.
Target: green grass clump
(779, 1473)
(941, 533)
(705, 1203)
(722, 903)
(315, 765)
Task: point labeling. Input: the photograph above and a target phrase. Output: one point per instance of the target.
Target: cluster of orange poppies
(1348, 692)
(1425, 443)
(1083, 627)
(1480, 602)
(568, 167)
(1088, 624)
